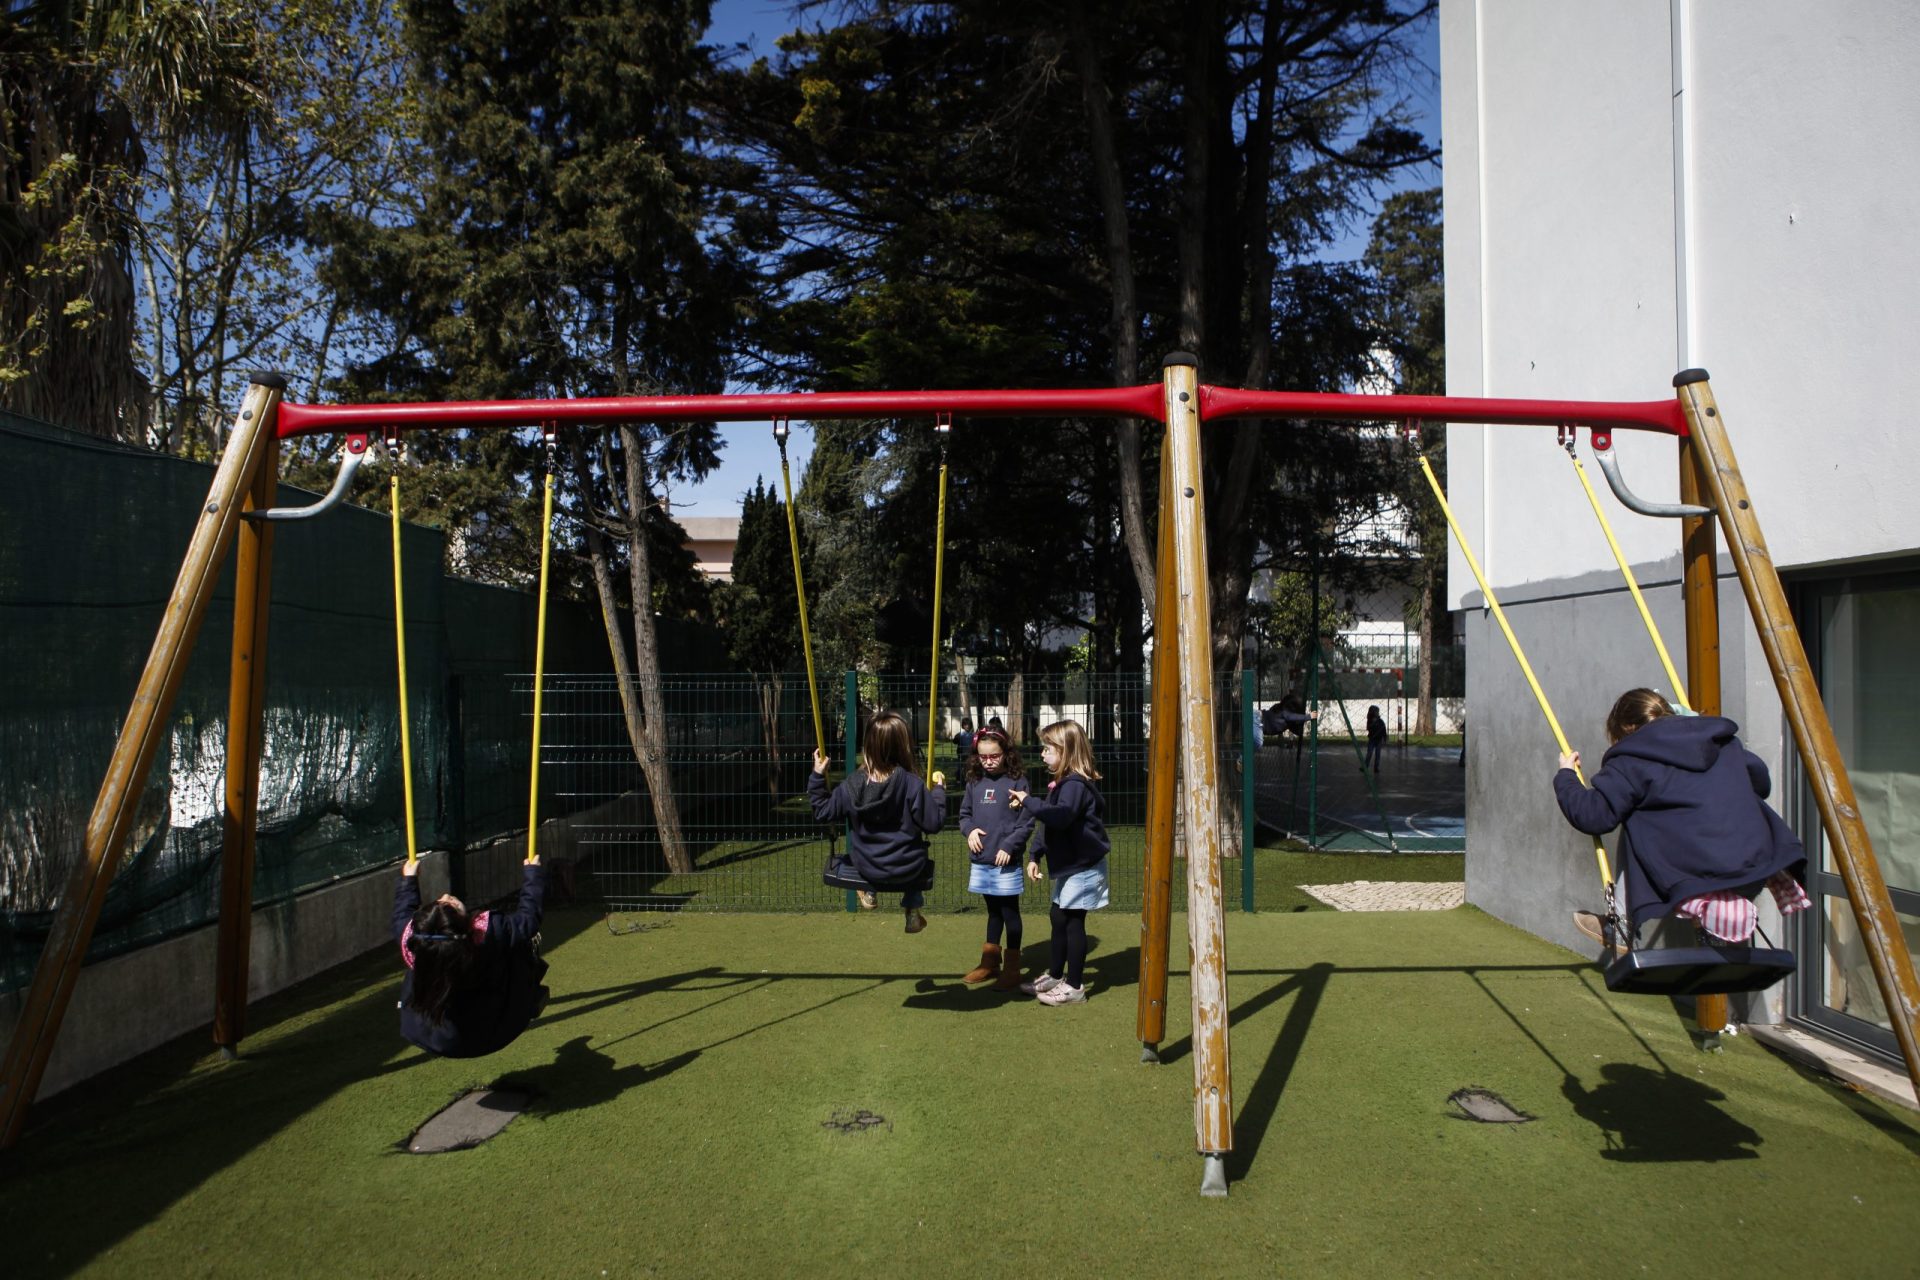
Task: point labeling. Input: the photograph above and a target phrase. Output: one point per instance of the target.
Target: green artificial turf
(784, 874)
(689, 1074)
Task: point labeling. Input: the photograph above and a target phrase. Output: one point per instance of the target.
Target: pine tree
(564, 247)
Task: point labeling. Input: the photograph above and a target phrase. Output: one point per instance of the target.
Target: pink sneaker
(1045, 982)
(1060, 993)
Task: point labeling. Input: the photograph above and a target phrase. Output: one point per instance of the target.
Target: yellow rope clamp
(1619, 558)
(1513, 642)
(540, 661)
(943, 427)
(400, 650)
(800, 588)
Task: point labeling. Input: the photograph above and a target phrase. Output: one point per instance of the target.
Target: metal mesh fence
(739, 751)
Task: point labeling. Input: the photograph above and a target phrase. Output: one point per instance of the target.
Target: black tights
(1069, 945)
(1004, 911)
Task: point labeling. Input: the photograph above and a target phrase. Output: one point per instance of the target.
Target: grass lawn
(688, 1076)
(783, 873)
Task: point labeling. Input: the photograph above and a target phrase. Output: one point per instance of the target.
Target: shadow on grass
(1109, 971)
(143, 1127)
(1652, 1117)
(581, 1076)
(1646, 1116)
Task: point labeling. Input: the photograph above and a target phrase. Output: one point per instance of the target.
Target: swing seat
(841, 873)
(1698, 971)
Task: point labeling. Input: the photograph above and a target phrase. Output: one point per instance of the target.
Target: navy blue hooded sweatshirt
(984, 808)
(1688, 799)
(888, 822)
(502, 989)
(1073, 817)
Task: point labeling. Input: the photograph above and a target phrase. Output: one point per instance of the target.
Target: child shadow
(581, 1076)
(1653, 1116)
(1105, 972)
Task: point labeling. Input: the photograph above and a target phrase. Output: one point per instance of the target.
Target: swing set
(1182, 679)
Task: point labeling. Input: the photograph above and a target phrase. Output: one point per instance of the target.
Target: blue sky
(750, 451)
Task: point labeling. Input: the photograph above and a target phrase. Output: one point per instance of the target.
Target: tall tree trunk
(640, 733)
(1123, 317)
(963, 696)
(768, 689)
(651, 747)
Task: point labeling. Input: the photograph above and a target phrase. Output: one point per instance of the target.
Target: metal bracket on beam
(356, 453)
(1610, 467)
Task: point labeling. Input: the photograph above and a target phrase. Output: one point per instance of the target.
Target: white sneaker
(1060, 993)
(866, 899)
(1045, 982)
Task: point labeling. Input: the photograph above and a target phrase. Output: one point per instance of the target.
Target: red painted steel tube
(1232, 402)
(1106, 402)
(1216, 403)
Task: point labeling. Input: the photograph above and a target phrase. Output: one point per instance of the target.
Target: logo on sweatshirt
(989, 795)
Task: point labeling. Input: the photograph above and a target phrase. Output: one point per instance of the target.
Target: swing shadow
(1646, 1116)
(1659, 1117)
(581, 1076)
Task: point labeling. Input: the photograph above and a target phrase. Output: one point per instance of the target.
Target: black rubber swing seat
(1699, 971)
(840, 873)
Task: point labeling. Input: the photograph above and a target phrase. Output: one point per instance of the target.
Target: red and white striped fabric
(1731, 917)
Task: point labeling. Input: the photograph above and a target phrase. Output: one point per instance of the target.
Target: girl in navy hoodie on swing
(888, 812)
(473, 979)
(1697, 839)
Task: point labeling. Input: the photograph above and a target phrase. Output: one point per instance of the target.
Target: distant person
(963, 744)
(473, 980)
(1697, 839)
(1376, 739)
(996, 840)
(1281, 719)
(888, 812)
(1074, 844)
(1463, 744)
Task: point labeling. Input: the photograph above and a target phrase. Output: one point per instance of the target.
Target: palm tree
(82, 83)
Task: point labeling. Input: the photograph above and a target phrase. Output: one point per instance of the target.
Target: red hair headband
(991, 735)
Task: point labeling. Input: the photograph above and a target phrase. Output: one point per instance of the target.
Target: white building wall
(1633, 187)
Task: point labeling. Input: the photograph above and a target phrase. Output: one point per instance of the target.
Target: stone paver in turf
(469, 1121)
(1390, 895)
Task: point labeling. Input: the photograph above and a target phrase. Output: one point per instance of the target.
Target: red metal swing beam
(1145, 402)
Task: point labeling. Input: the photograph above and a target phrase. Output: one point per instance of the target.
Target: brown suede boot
(1009, 970)
(989, 965)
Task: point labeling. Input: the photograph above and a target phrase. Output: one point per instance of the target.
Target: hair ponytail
(442, 948)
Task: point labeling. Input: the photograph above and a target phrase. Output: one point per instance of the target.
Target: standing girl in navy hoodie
(1073, 828)
(1696, 839)
(473, 980)
(889, 814)
(996, 837)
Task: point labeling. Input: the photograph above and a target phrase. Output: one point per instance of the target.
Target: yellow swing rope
(1513, 642)
(400, 650)
(1619, 558)
(540, 663)
(800, 589)
(942, 427)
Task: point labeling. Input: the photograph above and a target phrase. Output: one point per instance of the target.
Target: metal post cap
(1687, 377)
(1180, 358)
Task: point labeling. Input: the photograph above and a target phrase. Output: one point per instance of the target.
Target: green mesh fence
(91, 537)
(738, 753)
